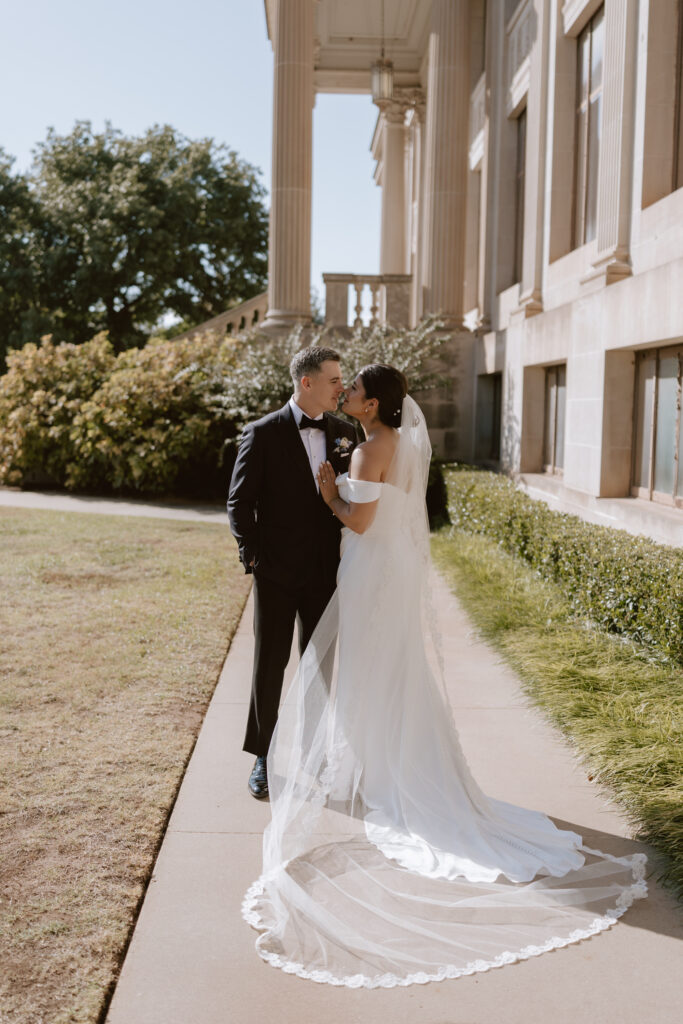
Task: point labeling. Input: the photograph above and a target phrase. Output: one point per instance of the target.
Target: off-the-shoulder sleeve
(361, 491)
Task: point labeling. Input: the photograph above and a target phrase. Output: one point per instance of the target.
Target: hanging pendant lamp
(382, 75)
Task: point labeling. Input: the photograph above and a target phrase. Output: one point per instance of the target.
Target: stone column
(289, 243)
(393, 242)
(615, 174)
(495, 114)
(416, 117)
(530, 297)
(448, 105)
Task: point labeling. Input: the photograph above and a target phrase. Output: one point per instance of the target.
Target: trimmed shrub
(628, 585)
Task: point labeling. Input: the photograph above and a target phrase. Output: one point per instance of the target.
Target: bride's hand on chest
(326, 482)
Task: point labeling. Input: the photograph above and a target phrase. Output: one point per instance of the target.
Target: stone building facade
(531, 166)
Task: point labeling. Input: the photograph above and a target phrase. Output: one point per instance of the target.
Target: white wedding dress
(384, 863)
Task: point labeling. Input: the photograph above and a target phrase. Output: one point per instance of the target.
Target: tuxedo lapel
(294, 448)
(329, 439)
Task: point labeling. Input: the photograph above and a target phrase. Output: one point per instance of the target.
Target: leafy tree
(20, 316)
(118, 232)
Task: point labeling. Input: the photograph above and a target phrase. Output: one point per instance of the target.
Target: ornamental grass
(589, 619)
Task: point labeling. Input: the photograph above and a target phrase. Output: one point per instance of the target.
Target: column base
(278, 320)
(449, 323)
(607, 271)
(530, 304)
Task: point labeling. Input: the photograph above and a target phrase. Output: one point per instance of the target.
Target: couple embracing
(384, 863)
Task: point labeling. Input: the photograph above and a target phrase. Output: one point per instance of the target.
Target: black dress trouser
(276, 608)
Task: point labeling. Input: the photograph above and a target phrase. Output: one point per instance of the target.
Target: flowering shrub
(80, 417)
(41, 393)
(628, 585)
(258, 380)
(162, 418)
(152, 426)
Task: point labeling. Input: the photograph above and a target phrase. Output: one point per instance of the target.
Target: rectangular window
(519, 194)
(555, 411)
(678, 116)
(589, 75)
(489, 395)
(658, 446)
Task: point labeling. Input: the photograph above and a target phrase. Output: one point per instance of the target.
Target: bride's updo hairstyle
(389, 386)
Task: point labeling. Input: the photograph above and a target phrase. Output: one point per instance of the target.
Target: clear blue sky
(204, 67)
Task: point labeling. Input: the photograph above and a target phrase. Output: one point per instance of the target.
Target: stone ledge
(635, 515)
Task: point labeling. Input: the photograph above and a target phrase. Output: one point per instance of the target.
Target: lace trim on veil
(638, 890)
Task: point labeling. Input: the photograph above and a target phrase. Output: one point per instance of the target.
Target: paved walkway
(60, 501)
(192, 959)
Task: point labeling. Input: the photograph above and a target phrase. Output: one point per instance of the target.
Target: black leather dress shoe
(258, 780)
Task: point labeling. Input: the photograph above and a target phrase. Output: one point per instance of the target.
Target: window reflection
(658, 444)
(555, 412)
(589, 75)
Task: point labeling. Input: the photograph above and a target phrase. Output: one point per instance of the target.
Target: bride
(384, 863)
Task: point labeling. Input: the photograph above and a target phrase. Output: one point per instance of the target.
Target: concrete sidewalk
(60, 501)
(192, 959)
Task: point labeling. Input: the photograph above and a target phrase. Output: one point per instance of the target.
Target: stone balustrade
(389, 299)
(235, 320)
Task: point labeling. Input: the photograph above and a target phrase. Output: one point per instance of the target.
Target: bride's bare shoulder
(370, 460)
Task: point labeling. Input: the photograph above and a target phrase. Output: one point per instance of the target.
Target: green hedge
(163, 418)
(145, 421)
(628, 585)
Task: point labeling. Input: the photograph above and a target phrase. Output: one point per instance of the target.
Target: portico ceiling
(348, 38)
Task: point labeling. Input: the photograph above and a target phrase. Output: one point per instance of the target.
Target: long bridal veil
(384, 863)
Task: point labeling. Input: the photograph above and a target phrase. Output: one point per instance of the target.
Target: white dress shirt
(312, 440)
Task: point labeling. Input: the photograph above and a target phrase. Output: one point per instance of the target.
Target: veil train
(384, 863)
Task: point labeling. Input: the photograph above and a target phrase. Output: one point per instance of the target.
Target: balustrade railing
(389, 299)
(233, 321)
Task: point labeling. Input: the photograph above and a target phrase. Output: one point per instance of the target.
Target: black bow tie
(306, 421)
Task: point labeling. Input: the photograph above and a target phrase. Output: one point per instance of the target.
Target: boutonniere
(343, 444)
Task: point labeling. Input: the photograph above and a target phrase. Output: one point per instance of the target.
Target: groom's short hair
(309, 360)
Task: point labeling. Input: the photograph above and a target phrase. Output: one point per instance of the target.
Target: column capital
(393, 111)
(414, 100)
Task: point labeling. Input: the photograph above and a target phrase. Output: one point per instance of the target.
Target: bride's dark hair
(389, 386)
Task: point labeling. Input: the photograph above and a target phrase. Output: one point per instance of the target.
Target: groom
(287, 535)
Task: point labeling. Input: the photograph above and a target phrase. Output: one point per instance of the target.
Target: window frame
(648, 492)
(494, 380)
(582, 138)
(521, 127)
(677, 168)
(551, 468)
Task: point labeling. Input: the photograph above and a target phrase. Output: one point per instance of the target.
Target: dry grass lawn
(113, 633)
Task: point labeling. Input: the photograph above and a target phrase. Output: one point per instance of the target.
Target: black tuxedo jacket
(275, 510)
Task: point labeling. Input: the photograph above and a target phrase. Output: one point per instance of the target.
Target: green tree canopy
(113, 233)
(19, 303)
